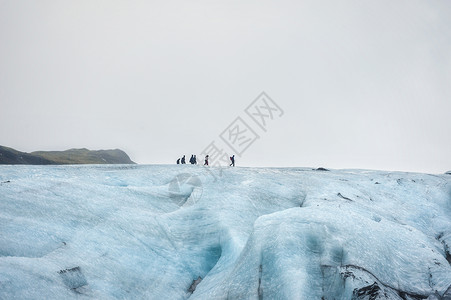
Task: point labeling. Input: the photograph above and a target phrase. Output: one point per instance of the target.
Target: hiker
(191, 160)
(178, 161)
(194, 160)
(232, 158)
(183, 160)
(206, 161)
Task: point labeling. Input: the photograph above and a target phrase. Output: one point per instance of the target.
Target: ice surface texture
(179, 232)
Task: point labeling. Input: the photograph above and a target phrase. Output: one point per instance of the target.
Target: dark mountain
(9, 156)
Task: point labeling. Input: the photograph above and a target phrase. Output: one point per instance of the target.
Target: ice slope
(179, 232)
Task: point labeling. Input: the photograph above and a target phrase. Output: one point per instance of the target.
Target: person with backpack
(194, 160)
(206, 161)
(178, 161)
(183, 160)
(232, 158)
(191, 159)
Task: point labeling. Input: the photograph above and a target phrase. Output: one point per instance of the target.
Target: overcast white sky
(363, 84)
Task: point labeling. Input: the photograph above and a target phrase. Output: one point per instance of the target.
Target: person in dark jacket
(178, 161)
(195, 159)
(206, 161)
(191, 160)
(232, 158)
(183, 160)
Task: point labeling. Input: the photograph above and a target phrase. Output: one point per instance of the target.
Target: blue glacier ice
(187, 231)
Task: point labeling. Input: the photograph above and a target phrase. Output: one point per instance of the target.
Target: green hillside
(72, 156)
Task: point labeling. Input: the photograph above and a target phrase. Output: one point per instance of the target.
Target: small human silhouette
(232, 158)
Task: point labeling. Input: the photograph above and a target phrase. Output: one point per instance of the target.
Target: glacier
(187, 231)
